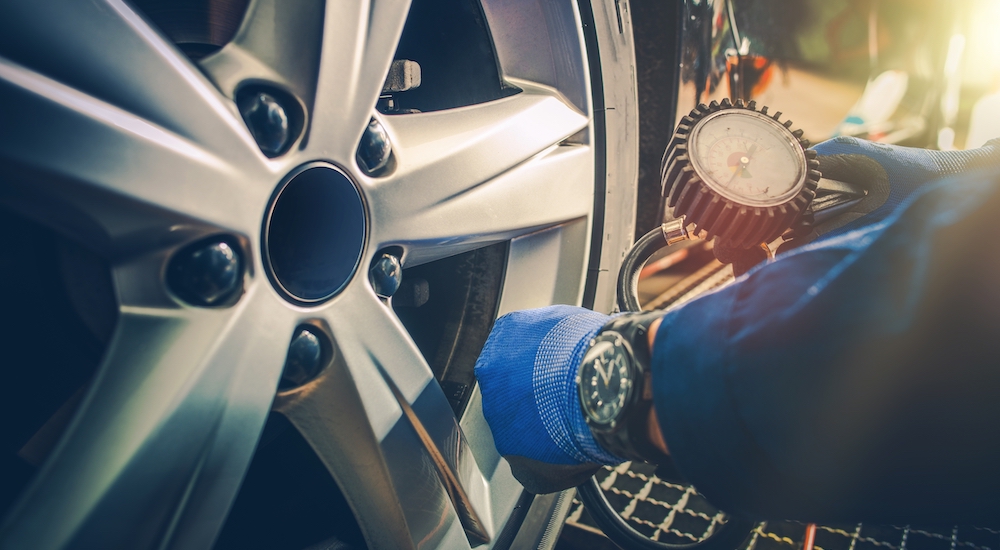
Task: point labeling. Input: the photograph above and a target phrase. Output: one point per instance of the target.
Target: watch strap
(629, 437)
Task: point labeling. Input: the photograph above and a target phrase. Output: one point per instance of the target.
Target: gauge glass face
(748, 158)
(604, 381)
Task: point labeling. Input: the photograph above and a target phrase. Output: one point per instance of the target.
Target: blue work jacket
(856, 378)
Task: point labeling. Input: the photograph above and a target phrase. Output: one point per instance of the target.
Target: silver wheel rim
(148, 153)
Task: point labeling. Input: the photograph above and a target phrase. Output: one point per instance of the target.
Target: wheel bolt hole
(273, 117)
(375, 150)
(309, 351)
(386, 273)
(207, 273)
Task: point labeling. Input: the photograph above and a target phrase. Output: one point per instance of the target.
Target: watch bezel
(623, 349)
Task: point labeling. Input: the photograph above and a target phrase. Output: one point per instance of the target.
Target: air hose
(669, 233)
(726, 536)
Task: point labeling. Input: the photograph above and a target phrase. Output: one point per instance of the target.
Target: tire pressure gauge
(731, 173)
(738, 174)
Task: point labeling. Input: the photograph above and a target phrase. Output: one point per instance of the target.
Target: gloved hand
(889, 173)
(527, 375)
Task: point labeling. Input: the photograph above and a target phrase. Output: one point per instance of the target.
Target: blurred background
(914, 72)
(919, 73)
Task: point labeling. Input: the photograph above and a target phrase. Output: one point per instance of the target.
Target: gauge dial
(604, 381)
(738, 175)
(748, 158)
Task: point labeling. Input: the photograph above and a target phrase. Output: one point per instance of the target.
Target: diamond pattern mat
(675, 513)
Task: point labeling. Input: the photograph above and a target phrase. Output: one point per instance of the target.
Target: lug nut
(305, 357)
(206, 273)
(375, 150)
(268, 122)
(385, 275)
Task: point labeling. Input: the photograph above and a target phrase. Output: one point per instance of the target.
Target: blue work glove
(890, 173)
(527, 375)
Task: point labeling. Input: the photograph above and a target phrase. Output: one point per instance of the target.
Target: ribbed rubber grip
(715, 216)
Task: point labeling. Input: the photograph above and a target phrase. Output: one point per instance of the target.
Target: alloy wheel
(222, 255)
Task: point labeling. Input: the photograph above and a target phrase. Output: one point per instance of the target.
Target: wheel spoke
(118, 174)
(125, 144)
(483, 174)
(105, 50)
(359, 42)
(394, 445)
(279, 42)
(161, 441)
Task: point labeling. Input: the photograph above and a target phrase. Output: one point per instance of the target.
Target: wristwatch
(615, 386)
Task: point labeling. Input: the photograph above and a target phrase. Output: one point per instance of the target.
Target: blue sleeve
(854, 379)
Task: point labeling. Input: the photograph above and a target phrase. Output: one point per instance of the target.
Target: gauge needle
(750, 153)
(744, 164)
(735, 175)
(738, 172)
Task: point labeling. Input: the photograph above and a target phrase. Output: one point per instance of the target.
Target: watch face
(604, 380)
(748, 158)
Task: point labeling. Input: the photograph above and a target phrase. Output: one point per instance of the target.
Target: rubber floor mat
(675, 513)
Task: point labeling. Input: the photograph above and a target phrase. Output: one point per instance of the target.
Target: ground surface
(675, 513)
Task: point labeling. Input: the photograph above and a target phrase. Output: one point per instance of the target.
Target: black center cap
(314, 233)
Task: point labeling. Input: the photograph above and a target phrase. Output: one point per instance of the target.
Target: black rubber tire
(729, 537)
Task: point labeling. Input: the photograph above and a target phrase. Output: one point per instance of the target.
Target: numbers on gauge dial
(748, 158)
(604, 381)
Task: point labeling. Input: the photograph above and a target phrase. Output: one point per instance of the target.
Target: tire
(730, 534)
(194, 385)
